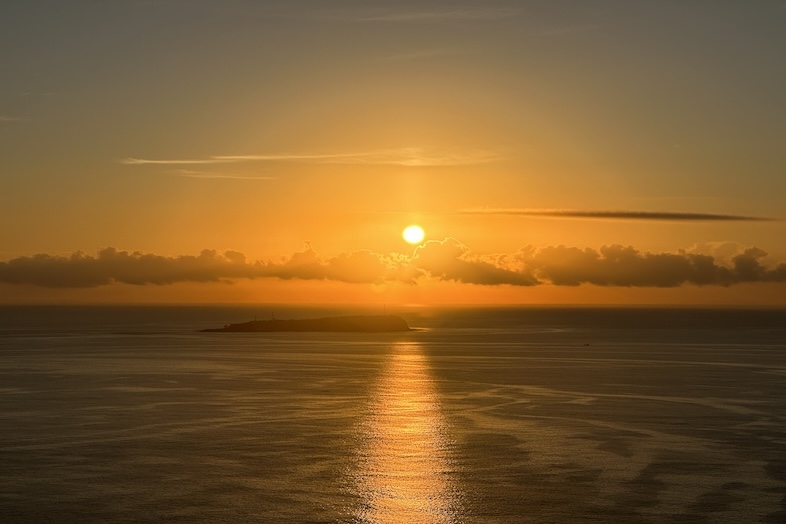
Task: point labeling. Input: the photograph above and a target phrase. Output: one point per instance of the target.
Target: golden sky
(553, 152)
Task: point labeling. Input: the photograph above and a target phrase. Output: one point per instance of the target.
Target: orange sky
(167, 129)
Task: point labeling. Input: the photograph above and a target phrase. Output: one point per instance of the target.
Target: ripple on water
(405, 469)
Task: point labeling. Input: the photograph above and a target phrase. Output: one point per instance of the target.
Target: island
(357, 323)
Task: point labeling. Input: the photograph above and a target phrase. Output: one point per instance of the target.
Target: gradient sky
(553, 151)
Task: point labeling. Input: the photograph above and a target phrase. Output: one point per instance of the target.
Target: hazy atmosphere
(393, 262)
(551, 152)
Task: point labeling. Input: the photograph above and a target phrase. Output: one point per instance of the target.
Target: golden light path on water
(405, 469)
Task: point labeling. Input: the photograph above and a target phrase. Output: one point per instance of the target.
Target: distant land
(358, 323)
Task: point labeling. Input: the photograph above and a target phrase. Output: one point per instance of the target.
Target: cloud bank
(447, 260)
(617, 215)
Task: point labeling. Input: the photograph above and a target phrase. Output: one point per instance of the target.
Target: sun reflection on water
(405, 470)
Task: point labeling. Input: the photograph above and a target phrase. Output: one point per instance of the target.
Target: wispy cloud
(435, 15)
(446, 260)
(617, 215)
(208, 175)
(422, 54)
(410, 157)
(4, 118)
(144, 161)
(566, 29)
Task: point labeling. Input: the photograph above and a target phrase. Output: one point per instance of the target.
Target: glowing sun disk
(413, 234)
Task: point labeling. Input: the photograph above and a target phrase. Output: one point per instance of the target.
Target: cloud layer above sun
(447, 260)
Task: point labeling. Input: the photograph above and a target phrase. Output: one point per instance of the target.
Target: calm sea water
(480, 416)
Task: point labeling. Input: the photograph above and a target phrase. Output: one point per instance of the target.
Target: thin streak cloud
(444, 15)
(409, 157)
(422, 54)
(144, 161)
(618, 215)
(207, 175)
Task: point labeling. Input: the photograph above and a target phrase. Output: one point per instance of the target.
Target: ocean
(479, 415)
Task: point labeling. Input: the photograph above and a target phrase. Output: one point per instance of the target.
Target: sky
(554, 152)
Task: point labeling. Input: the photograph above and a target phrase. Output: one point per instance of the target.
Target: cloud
(722, 252)
(144, 161)
(441, 15)
(422, 54)
(408, 156)
(452, 260)
(4, 118)
(616, 215)
(208, 175)
(447, 260)
(110, 266)
(356, 267)
(624, 266)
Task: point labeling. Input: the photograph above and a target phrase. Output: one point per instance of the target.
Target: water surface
(481, 416)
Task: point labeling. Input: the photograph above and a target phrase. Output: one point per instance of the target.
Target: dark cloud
(625, 266)
(452, 260)
(356, 267)
(447, 260)
(110, 265)
(618, 215)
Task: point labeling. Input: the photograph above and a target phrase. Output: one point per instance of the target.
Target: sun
(413, 234)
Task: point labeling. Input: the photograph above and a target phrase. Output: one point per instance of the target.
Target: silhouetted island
(358, 323)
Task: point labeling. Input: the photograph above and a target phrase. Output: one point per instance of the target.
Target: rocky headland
(357, 323)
